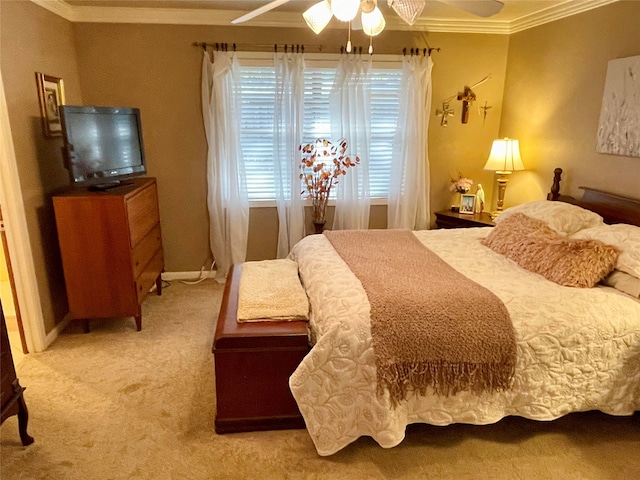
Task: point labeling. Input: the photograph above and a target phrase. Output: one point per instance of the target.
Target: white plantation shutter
(256, 136)
(385, 94)
(317, 88)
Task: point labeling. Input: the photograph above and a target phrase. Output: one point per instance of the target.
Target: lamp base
(503, 179)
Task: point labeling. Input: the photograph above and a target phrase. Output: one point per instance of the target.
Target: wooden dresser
(10, 390)
(111, 248)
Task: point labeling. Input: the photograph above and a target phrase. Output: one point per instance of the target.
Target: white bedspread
(578, 349)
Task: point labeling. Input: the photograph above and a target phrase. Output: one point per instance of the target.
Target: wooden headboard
(613, 208)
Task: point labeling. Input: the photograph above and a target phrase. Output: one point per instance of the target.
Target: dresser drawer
(142, 213)
(147, 278)
(145, 250)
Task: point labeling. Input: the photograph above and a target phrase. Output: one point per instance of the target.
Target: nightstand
(449, 219)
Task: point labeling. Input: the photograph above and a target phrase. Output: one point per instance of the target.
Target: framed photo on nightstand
(467, 203)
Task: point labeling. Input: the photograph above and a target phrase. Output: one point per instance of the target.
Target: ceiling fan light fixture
(345, 10)
(318, 16)
(373, 23)
(367, 6)
(407, 10)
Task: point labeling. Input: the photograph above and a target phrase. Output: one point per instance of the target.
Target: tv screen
(102, 145)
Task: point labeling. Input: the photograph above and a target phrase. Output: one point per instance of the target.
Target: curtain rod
(425, 51)
(256, 47)
(299, 48)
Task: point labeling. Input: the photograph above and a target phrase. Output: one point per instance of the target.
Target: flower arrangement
(461, 185)
(321, 165)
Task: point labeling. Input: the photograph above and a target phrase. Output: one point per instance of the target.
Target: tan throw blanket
(431, 326)
(270, 290)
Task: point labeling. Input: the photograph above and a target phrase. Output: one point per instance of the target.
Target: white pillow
(622, 236)
(563, 217)
(624, 282)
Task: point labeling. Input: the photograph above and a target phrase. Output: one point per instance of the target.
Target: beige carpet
(121, 404)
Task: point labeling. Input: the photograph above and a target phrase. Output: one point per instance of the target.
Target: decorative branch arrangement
(321, 165)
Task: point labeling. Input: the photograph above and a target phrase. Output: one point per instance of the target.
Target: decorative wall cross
(467, 97)
(484, 109)
(444, 113)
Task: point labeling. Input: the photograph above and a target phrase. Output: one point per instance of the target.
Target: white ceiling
(437, 17)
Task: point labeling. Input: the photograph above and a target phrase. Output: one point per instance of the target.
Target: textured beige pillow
(622, 236)
(535, 246)
(562, 217)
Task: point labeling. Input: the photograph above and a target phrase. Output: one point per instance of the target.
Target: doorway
(8, 298)
(16, 237)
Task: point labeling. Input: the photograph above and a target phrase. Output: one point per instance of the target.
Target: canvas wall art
(619, 127)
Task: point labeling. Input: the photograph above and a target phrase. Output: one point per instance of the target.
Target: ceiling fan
(408, 10)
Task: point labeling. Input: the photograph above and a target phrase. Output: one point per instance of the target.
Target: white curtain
(350, 104)
(288, 124)
(227, 198)
(409, 184)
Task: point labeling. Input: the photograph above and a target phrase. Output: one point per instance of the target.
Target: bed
(577, 349)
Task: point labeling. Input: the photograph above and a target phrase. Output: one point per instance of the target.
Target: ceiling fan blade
(356, 23)
(481, 8)
(259, 11)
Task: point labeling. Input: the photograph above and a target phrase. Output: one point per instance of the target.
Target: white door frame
(18, 242)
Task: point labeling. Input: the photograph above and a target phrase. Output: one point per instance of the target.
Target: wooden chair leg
(138, 322)
(23, 420)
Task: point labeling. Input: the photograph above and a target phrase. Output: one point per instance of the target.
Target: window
(258, 87)
(256, 136)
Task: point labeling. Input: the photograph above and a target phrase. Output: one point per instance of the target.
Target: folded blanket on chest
(431, 326)
(270, 290)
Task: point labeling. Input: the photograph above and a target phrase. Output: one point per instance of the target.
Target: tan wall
(465, 60)
(553, 96)
(35, 40)
(156, 68)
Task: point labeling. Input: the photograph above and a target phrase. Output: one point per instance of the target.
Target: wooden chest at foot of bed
(253, 363)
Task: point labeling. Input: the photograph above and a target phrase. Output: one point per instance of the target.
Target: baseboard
(57, 330)
(188, 275)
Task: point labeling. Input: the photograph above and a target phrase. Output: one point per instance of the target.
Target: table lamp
(503, 159)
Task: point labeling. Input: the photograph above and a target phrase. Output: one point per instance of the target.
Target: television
(102, 145)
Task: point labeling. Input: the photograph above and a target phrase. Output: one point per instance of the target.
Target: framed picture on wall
(51, 94)
(467, 203)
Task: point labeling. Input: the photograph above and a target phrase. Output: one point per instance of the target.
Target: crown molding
(59, 7)
(174, 16)
(550, 14)
(445, 25)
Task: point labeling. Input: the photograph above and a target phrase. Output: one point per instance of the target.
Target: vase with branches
(321, 165)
